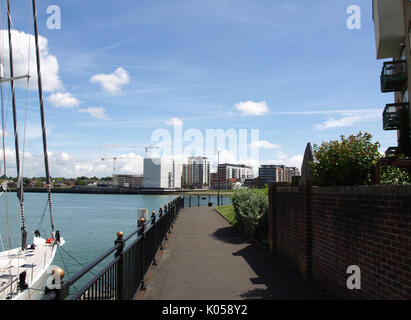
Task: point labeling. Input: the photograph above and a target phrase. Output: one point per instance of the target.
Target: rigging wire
(4, 155)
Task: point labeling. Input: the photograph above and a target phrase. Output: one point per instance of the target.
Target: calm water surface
(87, 222)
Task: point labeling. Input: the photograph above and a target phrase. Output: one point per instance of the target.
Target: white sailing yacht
(25, 271)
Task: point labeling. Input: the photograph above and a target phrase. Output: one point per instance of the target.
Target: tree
(349, 161)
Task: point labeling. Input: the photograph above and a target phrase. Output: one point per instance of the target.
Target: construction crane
(114, 165)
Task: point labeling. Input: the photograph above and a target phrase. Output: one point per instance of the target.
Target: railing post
(170, 217)
(153, 225)
(141, 223)
(120, 265)
(161, 222)
(166, 221)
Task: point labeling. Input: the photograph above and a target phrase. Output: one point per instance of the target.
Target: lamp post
(218, 177)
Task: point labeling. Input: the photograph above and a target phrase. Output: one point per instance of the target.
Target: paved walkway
(206, 259)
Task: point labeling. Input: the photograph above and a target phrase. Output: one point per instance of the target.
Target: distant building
(269, 173)
(162, 173)
(228, 174)
(291, 172)
(196, 173)
(251, 183)
(128, 180)
(213, 180)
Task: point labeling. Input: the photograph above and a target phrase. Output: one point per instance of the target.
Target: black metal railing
(392, 113)
(205, 200)
(124, 276)
(393, 75)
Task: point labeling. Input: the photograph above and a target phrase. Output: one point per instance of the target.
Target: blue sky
(196, 61)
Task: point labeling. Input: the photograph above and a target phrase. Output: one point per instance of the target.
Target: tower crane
(114, 165)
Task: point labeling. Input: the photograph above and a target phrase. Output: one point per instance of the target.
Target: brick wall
(323, 230)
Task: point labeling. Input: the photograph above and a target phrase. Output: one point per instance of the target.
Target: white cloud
(65, 165)
(263, 144)
(63, 100)
(96, 112)
(23, 48)
(349, 119)
(337, 123)
(250, 108)
(174, 122)
(283, 159)
(32, 131)
(112, 82)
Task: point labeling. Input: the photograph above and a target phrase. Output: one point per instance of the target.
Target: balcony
(389, 27)
(393, 75)
(391, 116)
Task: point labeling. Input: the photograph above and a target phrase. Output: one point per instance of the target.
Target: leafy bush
(346, 162)
(251, 209)
(394, 175)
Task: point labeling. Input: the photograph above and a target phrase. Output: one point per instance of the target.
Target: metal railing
(393, 75)
(123, 277)
(205, 200)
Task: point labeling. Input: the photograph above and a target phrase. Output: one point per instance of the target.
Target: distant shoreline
(111, 190)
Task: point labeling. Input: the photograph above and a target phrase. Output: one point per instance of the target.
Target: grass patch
(228, 212)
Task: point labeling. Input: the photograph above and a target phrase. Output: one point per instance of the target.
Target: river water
(87, 222)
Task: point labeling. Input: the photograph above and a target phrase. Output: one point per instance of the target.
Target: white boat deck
(35, 262)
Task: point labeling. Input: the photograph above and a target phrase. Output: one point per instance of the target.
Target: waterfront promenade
(205, 258)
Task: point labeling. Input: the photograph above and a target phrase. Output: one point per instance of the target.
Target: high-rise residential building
(392, 24)
(229, 173)
(162, 173)
(268, 173)
(196, 173)
(276, 173)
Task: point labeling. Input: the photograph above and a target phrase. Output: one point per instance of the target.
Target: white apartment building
(162, 173)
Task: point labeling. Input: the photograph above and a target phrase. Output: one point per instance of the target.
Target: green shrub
(251, 209)
(394, 175)
(346, 162)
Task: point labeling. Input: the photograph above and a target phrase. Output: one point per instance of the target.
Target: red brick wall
(323, 230)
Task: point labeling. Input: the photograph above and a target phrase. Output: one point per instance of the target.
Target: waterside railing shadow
(123, 277)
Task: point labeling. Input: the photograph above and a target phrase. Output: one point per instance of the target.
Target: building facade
(162, 173)
(228, 174)
(128, 180)
(276, 173)
(392, 26)
(196, 173)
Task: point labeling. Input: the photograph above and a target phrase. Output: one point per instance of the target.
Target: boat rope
(42, 216)
(65, 267)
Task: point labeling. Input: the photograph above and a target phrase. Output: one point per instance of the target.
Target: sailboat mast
(43, 126)
(16, 138)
